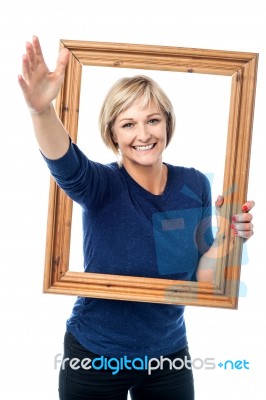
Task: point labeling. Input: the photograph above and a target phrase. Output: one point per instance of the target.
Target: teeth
(143, 148)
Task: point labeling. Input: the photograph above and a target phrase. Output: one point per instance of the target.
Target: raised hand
(40, 86)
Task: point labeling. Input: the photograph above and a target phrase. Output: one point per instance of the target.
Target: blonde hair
(123, 94)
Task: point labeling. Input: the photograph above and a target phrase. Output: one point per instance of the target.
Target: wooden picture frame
(223, 293)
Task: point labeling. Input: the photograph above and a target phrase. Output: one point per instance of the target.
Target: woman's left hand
(242, 223)
(242, 226)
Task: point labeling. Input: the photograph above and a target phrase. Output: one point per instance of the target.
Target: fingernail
(236, 232)
(233, 226)
(234, 218)
(245, 208)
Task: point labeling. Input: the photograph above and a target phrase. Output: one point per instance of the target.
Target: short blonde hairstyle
(123, 94)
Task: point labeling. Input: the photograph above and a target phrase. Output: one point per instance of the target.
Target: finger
(26, 67)
(219, 201)
(28, 61)
(37, 49)
(31, 55)
(244, 217)
(244, 234)
(248, 205)
(248, 226)
(22, 83)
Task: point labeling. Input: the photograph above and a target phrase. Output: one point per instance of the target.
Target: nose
(143, 134)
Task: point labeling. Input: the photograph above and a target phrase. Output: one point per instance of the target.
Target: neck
(152, 178)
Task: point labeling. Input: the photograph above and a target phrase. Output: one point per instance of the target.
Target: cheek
(163, 134)
(122, 140)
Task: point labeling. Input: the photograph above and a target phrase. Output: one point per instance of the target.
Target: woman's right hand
(40, 86)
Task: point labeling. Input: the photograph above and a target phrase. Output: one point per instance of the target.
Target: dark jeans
(78, 382)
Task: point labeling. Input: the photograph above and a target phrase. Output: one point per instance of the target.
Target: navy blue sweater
(130, 231)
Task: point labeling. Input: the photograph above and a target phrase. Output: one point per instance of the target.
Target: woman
(141, 217)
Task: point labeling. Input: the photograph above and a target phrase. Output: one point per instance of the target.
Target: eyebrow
(132, 119)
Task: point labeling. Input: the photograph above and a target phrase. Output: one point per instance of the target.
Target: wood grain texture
(242, 67)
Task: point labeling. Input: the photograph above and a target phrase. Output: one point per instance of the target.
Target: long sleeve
(84, 181)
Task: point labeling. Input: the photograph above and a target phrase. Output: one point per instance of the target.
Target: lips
(144, 148)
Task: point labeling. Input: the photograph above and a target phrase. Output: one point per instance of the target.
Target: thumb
(62, 61)
(218, 205)
(219, 201)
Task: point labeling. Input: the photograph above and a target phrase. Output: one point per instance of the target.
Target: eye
(153, 121)
(128, 125)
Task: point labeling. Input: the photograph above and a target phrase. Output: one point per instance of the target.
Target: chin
(148, 163)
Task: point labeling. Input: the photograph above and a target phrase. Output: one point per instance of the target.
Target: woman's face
(140, 134)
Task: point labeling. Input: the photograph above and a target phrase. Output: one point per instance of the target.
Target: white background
(32, 324)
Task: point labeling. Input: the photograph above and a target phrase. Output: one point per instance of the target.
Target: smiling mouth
(144, 148)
